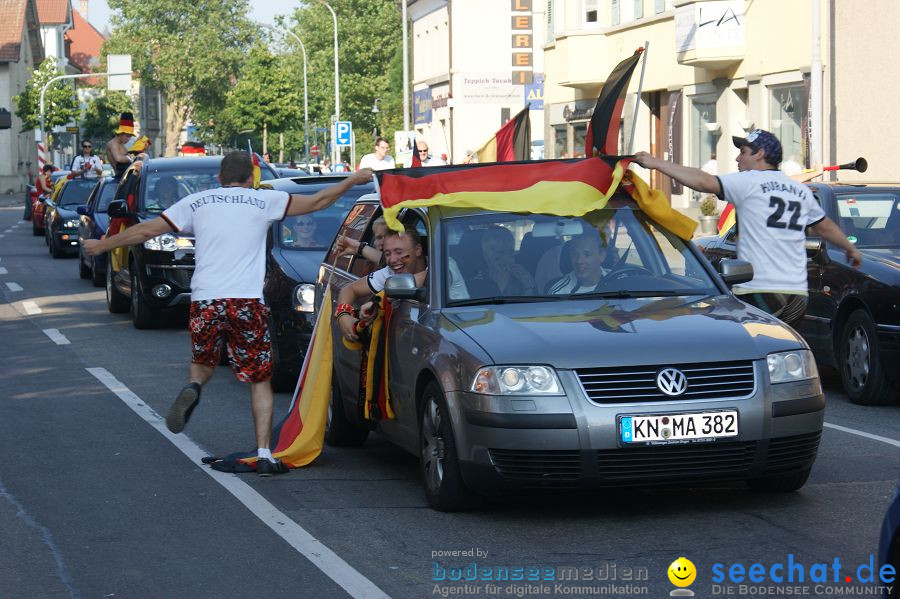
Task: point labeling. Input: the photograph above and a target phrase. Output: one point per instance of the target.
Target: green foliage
(60, 102)
(102, 116)
(189, 49)
(708, 206)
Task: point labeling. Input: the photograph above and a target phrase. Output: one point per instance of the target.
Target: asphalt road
(97, 499)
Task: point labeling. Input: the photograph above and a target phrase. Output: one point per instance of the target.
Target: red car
(37, 205)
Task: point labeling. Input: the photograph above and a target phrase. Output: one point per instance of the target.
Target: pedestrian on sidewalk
(230, 224)
(773, 211)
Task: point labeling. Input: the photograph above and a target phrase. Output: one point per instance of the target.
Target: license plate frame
(629, 424)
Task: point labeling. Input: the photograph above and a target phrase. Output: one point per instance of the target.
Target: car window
(870, 219)
(76, 192)
(163, 189)
(316, 230)
(542, 256)
(355, 224)
(107, 194)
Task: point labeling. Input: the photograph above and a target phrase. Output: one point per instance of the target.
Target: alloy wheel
(858, 362)
(433, 451)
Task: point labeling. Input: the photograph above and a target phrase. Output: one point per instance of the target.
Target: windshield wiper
(505, 299)
(626, 294)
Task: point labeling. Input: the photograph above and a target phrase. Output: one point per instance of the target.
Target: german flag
(511, 142)
(257, 174)
(727, 219)
(603, 131)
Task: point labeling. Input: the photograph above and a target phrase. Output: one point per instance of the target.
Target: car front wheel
(862, 371)
(438, 461)
(97, 277)
(142, 315)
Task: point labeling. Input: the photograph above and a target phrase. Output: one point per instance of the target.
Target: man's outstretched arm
(694, 178)
(304, 204)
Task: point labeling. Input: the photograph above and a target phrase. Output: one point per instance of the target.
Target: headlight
(304, 297)
(788, 366)
(168, 243)
(70, 224)
(516, 380)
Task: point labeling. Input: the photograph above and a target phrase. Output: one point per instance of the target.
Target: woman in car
(44, 183)
(304, 232)
(500, 273)
(587, 254)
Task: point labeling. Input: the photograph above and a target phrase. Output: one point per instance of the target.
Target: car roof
(180, 163)
(873, 184)
(311, 184)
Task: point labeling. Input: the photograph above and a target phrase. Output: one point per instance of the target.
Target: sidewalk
(15, 200)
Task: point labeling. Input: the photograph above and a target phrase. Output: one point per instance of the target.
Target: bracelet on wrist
(362, 246)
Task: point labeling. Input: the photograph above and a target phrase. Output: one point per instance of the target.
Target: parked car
(852, 322)
(148, 278)
(37, 207)
(288, 172)
(93, 224)
(656, 374)
(61, 216)
(889, 544)
(292, 267)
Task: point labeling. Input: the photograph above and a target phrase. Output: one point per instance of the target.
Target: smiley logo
(682, 572)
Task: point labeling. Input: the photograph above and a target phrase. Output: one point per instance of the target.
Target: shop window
(560, 142)
(703, 134)
(788, 117)
(580, 133)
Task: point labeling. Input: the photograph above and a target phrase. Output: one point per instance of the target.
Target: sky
(263, 11)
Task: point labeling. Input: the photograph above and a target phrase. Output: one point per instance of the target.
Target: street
(98, 499)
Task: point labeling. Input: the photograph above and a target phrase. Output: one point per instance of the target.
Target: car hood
(588, 333)
(887, 256)
(301, 265)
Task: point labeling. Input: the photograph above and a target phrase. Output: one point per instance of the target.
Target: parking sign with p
(342, 133)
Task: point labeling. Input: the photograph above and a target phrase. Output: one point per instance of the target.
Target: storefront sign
(488, 88)
(709, 25)
(577, 114)
(522, 42)
(422, 105)
(534, 93)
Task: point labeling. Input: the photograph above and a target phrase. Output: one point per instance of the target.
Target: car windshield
(615, 252)
(165, 188)
(870, 219)
(76, 192)
(315, 231)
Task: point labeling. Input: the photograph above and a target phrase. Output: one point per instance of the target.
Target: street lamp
(337, 85)
(305, 88)
(375, 111)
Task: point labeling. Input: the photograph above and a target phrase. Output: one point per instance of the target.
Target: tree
(60, 103)
(369, 40)
(188, 49)
(102, 115)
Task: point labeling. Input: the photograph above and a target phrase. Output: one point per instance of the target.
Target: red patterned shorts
(244, 324)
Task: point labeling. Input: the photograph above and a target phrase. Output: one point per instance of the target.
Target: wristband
(344, 309)
(362, 245)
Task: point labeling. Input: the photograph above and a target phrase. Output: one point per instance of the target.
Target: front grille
(716, 380)
(675, 462)
(538, 466)
(180, 277)
(789, 453)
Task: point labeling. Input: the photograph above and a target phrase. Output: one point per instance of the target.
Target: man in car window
(501, 274)
(230, 224)
(774, 212)
(587, 254)
(167, 191)
(403, 254)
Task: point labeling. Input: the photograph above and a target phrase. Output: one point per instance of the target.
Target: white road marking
(3, 271)
(311, 548)
(14, 287)
(57, 337)
(853, 431)
(31, 307)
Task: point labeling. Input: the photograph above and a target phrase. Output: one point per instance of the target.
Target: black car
(93, 224)
(156, 275)
(61, 216)
(297, 247)
(853, 319)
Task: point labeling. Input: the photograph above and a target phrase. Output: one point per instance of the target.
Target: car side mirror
(118, 209)
(82, 210)
(403, 287)
(814, 245)
(735, 271)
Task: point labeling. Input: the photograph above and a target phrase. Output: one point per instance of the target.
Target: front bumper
(171, 275)
(66, 240)
(566, 442)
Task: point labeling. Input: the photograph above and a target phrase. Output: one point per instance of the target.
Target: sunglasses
(425, 151)
(305, 223)
(85, 147)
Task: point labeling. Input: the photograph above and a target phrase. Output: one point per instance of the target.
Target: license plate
(678, 427)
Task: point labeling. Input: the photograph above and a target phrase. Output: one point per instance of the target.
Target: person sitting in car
(304, 233)
(167, 192)
(500, 273)
(587, 255)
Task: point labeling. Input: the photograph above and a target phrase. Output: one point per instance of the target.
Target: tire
(35, 230)
(438, 461)
(339, 430)
(83, 271)
(862, 371)
(142, 315)
(55, 250)
(116, 301)
(781, 483)
(97, 278)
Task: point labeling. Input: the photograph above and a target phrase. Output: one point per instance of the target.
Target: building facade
(474, 65)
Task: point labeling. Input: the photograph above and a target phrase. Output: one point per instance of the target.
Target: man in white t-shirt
(774, 212)
(86, 164)
(378, 160)
(230, 224)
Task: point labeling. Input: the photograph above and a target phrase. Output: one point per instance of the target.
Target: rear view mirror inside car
(561, 228)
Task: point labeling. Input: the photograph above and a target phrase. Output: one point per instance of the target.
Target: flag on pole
(416, 160)
(299, 437)
(511, 142)
(603, 131)
(257, 174)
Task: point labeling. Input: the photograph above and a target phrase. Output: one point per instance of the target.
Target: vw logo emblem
(671, 381)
